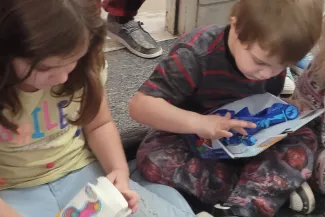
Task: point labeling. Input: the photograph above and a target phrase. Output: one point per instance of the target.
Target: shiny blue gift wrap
(276, 114)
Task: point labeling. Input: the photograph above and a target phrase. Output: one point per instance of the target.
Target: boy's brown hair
(287, 29)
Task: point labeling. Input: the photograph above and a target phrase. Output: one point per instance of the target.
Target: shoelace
(132, 26)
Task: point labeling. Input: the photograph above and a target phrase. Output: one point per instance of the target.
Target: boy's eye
(259, 62)
(42, 68)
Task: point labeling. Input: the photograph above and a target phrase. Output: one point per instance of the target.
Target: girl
(52, 101)
(310, 94)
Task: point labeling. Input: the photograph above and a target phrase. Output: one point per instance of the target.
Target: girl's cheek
(21, 67)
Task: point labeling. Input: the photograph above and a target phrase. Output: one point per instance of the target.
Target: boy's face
(252, 60)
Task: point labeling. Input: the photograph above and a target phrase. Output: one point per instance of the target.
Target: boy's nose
(63, 78)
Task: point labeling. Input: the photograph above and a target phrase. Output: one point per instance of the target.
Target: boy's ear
(232, 23)
(234, 34)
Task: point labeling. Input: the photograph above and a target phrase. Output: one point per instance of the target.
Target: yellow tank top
(47, 146)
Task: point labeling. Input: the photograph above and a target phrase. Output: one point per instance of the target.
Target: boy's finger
(240, 124)
(242, 131)
(228, 115)
(223, 133)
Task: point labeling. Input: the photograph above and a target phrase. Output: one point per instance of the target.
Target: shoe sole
(307, 203)
(287, 92)
(203, 214)
(122, 41)
(297, 70)
(289, 86)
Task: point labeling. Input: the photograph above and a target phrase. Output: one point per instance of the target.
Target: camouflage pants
(260, 184)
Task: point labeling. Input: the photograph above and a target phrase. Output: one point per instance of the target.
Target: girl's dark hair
(37, 29)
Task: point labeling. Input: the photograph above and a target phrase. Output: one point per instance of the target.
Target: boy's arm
(6, 210)
(175, 78)
(159, 114)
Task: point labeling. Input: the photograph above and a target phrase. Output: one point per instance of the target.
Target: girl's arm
(6, 210)
(104, 140)
(299, 103)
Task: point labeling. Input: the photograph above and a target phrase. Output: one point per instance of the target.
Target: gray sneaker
(134, 38)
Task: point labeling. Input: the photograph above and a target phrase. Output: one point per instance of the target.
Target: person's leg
(123, 28)
(166, 159)
(171, 204)
(317, 181)
(165, 192)
(149, 205)
(267, 181)
(32, 202)
(66, 188)
(122, 9)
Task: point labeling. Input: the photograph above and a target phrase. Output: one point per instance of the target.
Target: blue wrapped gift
(276, 114)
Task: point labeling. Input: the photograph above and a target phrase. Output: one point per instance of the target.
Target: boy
(208, 68)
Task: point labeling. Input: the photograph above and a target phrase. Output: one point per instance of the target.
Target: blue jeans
(47, 200)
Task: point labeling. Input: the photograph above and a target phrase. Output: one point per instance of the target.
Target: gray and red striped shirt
(200, 73)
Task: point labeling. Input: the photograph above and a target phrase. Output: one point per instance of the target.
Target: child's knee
(150, 170)
(159, 165)
(297, 159)
(307, 137)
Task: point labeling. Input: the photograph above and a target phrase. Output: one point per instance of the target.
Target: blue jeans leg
(47, 200)
(32, 202)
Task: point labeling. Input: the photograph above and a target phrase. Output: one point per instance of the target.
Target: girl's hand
(302, 106)
(6, 210)
(216, 127)
(120, 179)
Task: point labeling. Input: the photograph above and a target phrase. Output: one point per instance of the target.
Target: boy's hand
(216, 127)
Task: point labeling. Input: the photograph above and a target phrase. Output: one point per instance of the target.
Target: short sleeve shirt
(200, 73)
(46, 147)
